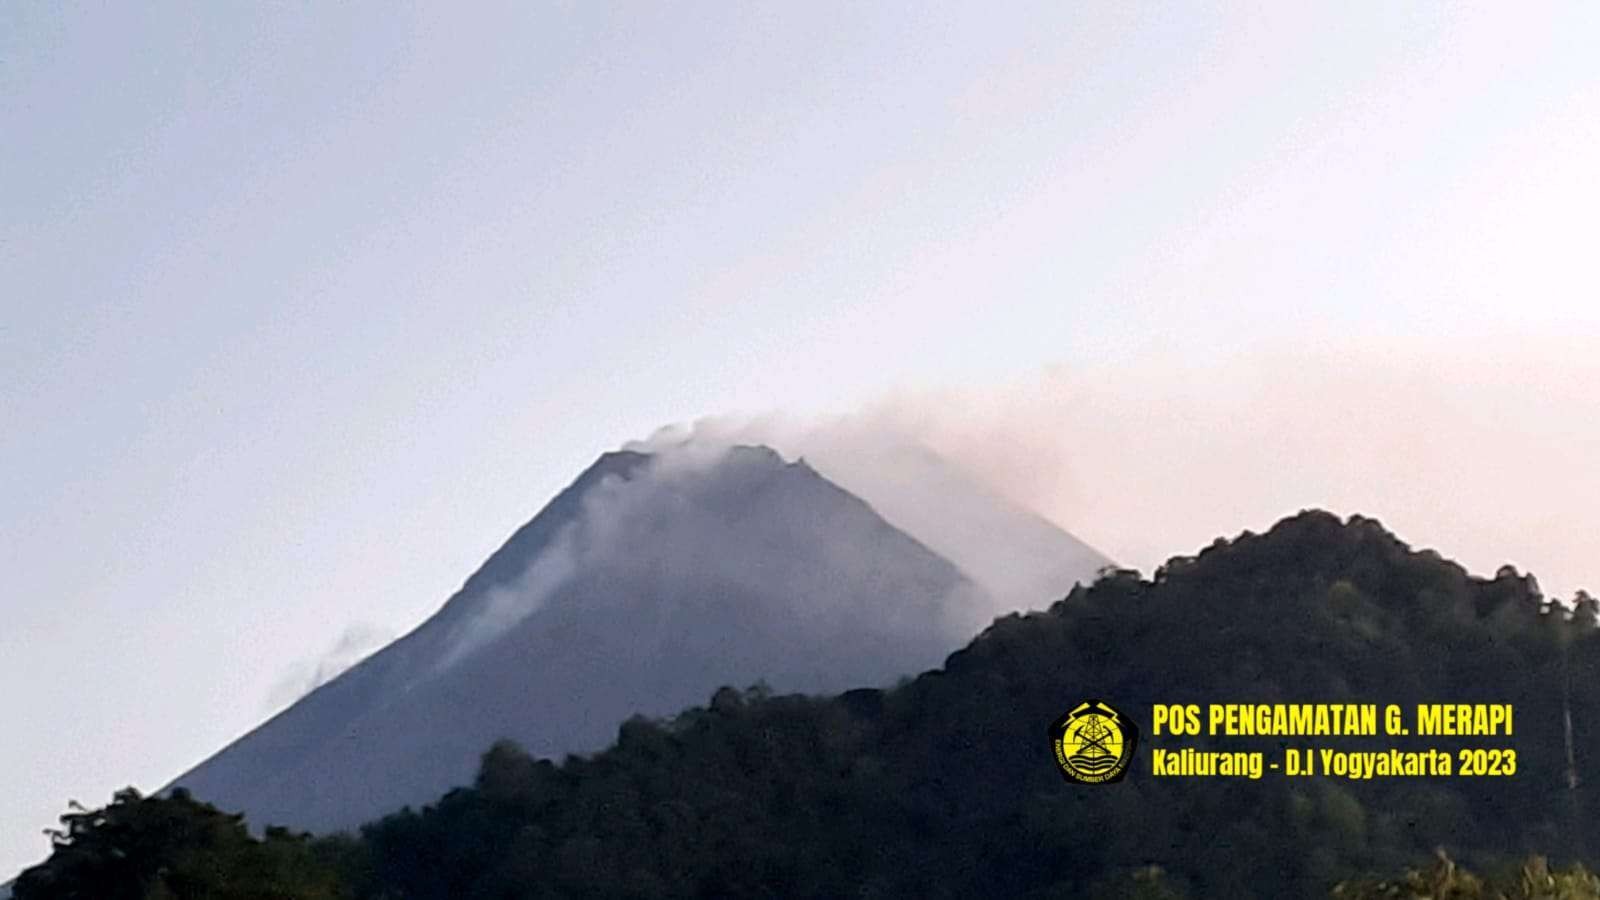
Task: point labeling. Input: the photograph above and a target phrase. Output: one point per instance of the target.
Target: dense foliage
(154, 848)
(945, 787)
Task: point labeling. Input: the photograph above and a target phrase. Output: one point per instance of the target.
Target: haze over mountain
(649, 582)
(1021, 560)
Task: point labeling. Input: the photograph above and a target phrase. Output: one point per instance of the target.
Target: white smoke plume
(305, 676)
(1019, 558)
(506, 605)
(592, 536)
(1488, 451)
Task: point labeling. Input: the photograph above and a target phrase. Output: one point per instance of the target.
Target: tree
(156, 848)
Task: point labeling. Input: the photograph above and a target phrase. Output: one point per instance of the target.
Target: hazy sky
(306, 308)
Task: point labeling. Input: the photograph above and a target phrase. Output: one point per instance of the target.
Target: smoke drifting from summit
(1487, 451)
(1019, 559)
(683, 517)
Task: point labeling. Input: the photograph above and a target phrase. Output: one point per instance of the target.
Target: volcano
(647, 584)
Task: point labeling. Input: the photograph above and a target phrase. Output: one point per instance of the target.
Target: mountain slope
(648, 582)
(1022, 561)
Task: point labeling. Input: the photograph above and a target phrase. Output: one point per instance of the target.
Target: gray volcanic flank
(644, 586)
(640, 589)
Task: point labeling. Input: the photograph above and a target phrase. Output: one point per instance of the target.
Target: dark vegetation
(944, 786)
(151, 848)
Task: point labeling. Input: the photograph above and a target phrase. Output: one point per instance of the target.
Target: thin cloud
(1486, 451)
(354, 644)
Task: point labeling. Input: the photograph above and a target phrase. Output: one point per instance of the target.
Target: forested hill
(945, 786)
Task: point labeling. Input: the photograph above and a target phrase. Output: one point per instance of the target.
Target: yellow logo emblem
(1093, 743)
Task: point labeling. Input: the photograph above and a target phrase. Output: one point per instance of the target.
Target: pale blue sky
(306, 307)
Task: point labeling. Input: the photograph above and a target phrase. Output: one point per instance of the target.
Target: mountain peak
(650, 581)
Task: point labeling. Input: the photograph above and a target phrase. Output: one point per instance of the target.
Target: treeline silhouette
(945, 787)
